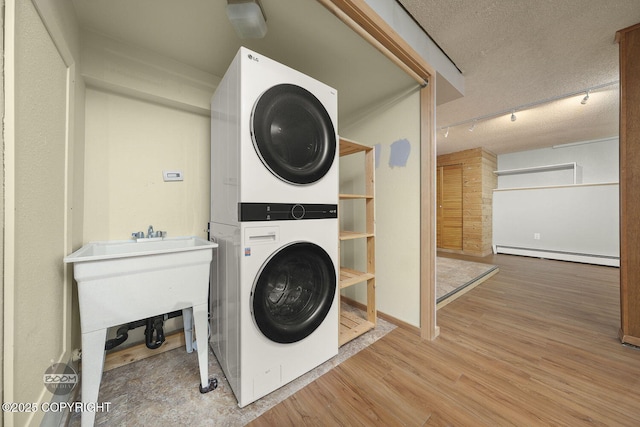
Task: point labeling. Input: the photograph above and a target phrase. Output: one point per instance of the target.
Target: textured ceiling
(515, 53)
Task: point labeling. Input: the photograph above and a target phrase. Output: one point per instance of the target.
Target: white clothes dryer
(273, 137)
(274, 302)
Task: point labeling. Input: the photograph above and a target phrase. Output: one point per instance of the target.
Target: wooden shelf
(573, 166)
(543, 187)
(354, 196)
(351, 147)
(349, 277)
(534, 169)
(351, 324)
(351, 235)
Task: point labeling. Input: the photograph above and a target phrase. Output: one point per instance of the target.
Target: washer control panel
(285, 211)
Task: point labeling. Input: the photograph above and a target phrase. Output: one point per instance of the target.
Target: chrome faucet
(150, 234)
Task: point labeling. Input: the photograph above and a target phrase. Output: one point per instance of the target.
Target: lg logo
(253, 58)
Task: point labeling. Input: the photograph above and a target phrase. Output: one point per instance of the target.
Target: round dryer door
(293, 134)
(293, 292)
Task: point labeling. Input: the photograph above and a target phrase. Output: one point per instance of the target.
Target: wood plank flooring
(535, 345)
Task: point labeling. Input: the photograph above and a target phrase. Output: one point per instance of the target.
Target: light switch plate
(173, 175)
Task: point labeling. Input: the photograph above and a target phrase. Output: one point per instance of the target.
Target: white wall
(597, 163)
(145, 113)
(545, 214)
(397, 201)
(129, 143)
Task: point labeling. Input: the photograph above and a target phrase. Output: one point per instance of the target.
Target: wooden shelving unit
(351, 324)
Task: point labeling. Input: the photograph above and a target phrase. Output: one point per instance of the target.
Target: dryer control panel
(285, 211)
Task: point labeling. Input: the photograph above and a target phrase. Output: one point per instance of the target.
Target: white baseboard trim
(559, 255)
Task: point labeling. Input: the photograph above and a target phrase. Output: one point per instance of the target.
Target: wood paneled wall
(479, 181)
(629, 40)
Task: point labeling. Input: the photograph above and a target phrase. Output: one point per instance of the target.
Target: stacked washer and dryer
(274, 200)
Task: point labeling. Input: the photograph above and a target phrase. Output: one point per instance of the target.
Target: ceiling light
(524, 107)
(247, 18)
(446, 134)
(585, 99)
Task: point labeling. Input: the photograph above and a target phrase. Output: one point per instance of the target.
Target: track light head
(446, 134)
(513, 116)
(585, 99)
(472, 127)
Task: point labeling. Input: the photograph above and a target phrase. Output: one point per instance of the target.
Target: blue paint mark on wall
(399, 155)
(376, 150)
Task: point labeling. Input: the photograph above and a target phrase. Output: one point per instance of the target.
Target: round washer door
(293, 134)
(293, 292)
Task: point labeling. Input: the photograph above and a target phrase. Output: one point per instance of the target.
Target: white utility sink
(111, 249)
(126, 280)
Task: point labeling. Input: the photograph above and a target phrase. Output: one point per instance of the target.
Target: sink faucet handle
(137, 234)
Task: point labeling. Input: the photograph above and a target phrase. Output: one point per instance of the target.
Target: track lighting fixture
(472, 122)
(585, 99)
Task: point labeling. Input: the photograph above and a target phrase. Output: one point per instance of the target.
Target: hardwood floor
(535, 345)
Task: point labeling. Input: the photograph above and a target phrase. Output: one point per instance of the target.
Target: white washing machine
(274, 197)
(273, 138)
(274, 302)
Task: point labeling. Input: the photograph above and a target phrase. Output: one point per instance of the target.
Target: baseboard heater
(610, 261)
